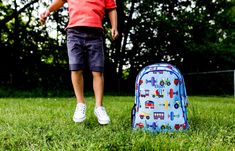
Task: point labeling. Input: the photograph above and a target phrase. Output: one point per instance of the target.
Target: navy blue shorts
(85, 46)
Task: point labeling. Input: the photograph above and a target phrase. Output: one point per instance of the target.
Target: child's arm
(113, 19)
(57, 4)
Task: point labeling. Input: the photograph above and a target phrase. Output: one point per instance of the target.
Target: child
(85, 36)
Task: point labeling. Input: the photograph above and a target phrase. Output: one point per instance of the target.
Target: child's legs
(78, 85)
(95, 48)
(89, 41)
(98, 86)
(75, 44)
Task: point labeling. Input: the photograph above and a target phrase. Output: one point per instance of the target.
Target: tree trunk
(122, 48)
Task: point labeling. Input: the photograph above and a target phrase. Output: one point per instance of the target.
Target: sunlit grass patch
(46, 124)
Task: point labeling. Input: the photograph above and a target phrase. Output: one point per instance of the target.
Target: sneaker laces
(101, 112)
(80, 108)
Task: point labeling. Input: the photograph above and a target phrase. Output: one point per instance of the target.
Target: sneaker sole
(79, 120)
(103, 122)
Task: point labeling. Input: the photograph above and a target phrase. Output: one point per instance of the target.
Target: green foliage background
(194, 35)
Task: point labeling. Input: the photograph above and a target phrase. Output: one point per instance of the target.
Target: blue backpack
(160, 99)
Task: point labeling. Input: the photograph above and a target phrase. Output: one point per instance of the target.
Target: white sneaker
(102, 116)
(80, 113)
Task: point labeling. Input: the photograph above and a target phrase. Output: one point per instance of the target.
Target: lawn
(46, 124)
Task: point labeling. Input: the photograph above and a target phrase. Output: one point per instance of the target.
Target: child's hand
(43, 16)
(114, 33)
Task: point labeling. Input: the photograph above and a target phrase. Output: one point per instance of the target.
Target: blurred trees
(30, 56)
(195, 35)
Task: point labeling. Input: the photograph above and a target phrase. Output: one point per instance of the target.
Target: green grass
(46, 124)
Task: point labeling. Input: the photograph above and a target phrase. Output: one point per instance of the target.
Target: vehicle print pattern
(160, 99)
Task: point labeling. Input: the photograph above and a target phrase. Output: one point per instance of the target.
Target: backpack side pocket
(133, 112)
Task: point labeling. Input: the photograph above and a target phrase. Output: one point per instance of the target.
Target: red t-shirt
(88, 13)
